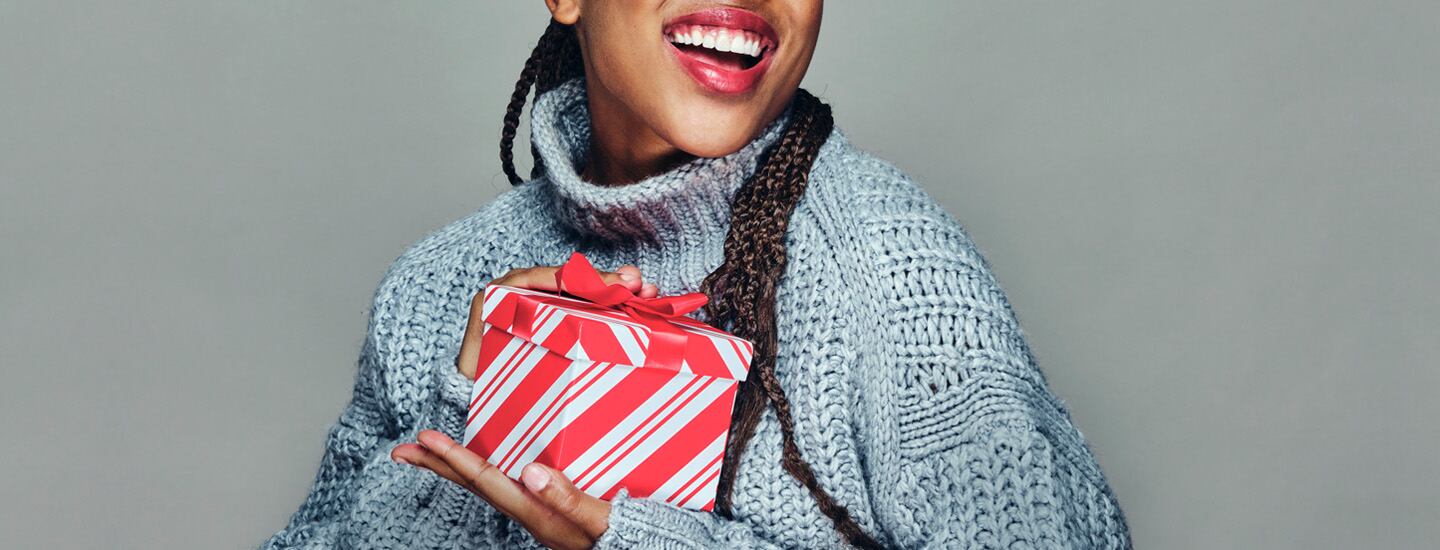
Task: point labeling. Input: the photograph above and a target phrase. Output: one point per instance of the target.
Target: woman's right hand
(537, 278)
(549, 506)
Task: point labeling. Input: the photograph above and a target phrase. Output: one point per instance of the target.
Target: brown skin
(648, 116)
(647, 113)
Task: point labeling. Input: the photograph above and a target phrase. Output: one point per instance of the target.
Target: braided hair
(742, 290)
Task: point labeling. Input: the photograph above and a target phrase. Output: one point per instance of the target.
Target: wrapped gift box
(614, 390)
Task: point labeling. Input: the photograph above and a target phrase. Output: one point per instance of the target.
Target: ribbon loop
(578, 277)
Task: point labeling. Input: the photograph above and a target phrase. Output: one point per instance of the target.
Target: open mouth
(726, 48)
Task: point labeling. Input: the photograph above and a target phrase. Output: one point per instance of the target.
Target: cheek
(633, 68)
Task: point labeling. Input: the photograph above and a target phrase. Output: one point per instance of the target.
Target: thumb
(556, 491)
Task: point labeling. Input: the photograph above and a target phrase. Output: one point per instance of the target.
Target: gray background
(1216, 220)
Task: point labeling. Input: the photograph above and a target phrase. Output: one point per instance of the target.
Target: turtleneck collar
(688, 202)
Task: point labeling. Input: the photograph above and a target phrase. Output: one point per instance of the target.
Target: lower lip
(720, 79)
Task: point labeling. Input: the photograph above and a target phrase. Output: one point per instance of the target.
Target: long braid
(743, 289)
(555, 59)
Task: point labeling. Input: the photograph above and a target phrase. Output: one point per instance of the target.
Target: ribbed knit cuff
(639, 523)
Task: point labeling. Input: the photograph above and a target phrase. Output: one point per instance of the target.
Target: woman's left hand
(547, 504)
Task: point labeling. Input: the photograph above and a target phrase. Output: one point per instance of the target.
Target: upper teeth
(718, 38)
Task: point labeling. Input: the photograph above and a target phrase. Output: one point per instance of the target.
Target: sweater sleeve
(363, 426)
(644, 523)
(392, 398)
(971, 448)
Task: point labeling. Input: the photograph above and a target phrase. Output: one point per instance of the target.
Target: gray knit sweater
(915, 395)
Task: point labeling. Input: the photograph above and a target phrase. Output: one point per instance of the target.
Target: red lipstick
(718, 71)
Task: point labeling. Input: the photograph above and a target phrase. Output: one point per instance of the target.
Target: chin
(713, 135)
(712, 146)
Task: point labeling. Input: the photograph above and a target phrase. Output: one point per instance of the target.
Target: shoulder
(479, 235)
(923, 260)
(435, 270)
(420, 304)
(891, 212)
(952, 340)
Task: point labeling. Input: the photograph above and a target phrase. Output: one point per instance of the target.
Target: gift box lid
(584, 330)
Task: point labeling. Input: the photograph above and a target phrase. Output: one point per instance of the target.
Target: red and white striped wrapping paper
(566, 383)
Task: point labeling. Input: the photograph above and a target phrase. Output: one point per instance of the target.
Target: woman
(892, 400)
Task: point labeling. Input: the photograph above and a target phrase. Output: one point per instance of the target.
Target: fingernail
(535, 477)
(403, 461)
(627, 276)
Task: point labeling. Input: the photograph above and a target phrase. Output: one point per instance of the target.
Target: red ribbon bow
(667, 341)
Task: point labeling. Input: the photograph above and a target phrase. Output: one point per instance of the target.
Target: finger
(648, 291)
(537, 278)
(543, 278)
(438, 452)
(503, 493)
(481, 477)
(421, 457)
(629, 277)
(418, 456)
(556, 491)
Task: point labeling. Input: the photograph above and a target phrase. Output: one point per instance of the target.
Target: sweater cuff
(452, 403)
(636, 523)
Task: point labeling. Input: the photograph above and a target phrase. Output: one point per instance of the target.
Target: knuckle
(471, 485)
(480, 468)
(566, 502)
(506, 276)
(483, 466)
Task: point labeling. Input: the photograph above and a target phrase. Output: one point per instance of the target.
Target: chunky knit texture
(914, 392)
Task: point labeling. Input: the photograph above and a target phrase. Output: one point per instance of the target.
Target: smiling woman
(892, 399)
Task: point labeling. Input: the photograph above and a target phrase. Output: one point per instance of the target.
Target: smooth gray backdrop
(1217, 221)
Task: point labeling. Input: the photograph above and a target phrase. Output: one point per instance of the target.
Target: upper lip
(731, 18)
